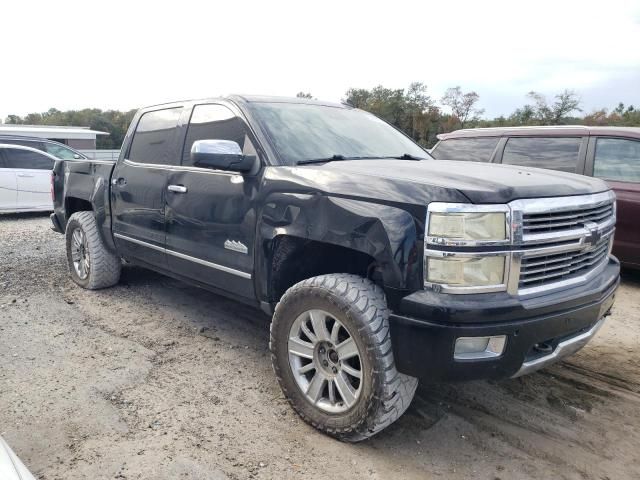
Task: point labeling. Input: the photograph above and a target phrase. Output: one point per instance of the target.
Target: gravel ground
(154, 379)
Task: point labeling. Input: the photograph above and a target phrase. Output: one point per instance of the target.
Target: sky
(124, 55)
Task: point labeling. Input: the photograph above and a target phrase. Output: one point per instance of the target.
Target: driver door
(210, 214)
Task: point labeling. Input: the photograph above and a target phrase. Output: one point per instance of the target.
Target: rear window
(467, 149)
(617, 159)
(153, 140)
(551, 153)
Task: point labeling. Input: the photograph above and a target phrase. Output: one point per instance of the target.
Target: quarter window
(467, 149)
(617, 159)
(552, 153)
(154, 137)
(216, 122)
(26, 159)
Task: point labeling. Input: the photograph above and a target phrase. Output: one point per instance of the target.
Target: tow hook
(543, 348)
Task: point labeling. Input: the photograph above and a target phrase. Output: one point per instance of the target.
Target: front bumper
(564, 322)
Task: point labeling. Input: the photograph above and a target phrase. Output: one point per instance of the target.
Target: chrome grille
(539, 270)
(565, 220)
(562, 241)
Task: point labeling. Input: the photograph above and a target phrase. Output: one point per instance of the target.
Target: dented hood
(479, 182)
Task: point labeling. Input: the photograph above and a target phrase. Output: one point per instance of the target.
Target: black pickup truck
(378, 265)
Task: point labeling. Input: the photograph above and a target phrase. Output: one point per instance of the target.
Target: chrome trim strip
(564, 349)
(560, 204)
(222, 268)
(177, 168)
(233, 271)
(575, 233)
(140, 242)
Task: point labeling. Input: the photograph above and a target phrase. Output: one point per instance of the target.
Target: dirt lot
(154, 379)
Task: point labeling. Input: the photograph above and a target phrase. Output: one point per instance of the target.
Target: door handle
(119, 181)
(26, 175)
(177, 188)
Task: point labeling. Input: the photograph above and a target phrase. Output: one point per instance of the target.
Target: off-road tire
(361, 306)
(105, 266)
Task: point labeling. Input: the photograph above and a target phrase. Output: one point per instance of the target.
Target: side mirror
(220, 155)
(76, 156)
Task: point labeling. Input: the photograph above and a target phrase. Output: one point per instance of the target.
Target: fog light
(470, 348)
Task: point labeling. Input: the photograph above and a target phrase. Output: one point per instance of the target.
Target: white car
(11, 468)
(25, 179)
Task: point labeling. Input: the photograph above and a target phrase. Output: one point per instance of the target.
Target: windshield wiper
(322, 160)
(404, 156)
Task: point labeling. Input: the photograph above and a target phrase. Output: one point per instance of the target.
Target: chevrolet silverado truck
(378, 265)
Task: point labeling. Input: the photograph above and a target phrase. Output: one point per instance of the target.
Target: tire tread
(394, 391)
(105, 266)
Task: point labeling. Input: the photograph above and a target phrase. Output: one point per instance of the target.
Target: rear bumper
(424, 347)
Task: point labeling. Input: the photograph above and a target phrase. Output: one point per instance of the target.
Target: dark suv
(57, 149)
(610, 153)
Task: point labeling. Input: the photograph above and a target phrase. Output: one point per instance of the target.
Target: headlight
(478, 226)
(466, 271)
(466, 247)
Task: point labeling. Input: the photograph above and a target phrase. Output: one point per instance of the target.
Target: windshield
(302, 132)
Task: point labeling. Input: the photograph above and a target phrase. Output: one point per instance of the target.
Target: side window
(216, 122)
(468, 149)
(551, 152)
(25, 143)
(153, 139)
(18, 158)
(59, 151)
(617, 159)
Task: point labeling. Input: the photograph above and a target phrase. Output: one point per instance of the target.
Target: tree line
(114, 122)
(415, 112)
(412, 110)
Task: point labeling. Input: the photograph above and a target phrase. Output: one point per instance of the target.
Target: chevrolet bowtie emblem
(593, 237)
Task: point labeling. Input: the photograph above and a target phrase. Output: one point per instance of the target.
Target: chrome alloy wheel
(325, 361)
(80, 254)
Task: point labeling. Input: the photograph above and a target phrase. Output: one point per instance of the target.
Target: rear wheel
(332, 354)
(91, 264)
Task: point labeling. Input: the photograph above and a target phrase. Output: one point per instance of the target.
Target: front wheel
(91, 264)
(331, 352)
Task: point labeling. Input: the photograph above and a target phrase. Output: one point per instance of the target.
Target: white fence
(102, 154)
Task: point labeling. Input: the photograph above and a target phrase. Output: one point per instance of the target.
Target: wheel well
(295, 259)
(73, 205)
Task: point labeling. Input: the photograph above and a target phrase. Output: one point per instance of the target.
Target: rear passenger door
(8, 185)
(617, 160)
(566, 154)
(138, 187)
(33, 178)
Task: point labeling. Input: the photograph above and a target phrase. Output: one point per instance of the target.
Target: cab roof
(246, 99)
